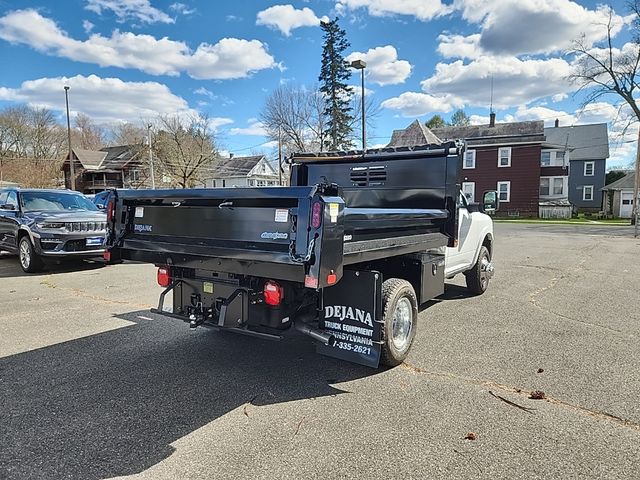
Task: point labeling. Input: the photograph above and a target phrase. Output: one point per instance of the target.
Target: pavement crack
(98, 298)
(488, 384)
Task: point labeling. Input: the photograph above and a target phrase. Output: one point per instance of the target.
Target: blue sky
(126, 60)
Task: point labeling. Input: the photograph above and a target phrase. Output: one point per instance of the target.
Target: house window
(552, 186)
(587, 193)
(469, 191)
(134, 175)
(261, 183)
(545, 159)
(504, 157)
(559, 158)
(469, 159)
(251, 182)
(588, 169)
(544, 186)
(504, 191)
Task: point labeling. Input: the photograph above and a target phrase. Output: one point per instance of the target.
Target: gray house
(588, 149)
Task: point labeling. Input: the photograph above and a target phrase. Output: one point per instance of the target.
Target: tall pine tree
(334, 74)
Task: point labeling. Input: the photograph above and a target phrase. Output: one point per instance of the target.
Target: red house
(503, 157)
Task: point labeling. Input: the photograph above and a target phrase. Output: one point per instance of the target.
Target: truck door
(459, 257)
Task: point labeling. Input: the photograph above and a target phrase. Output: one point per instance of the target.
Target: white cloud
(87, 26)
(181, 8)
(459, 46)
(140, 10)
(229, 58)
(255, 128)
(421, 9)
(286, 18)
(515, 82)
(411, 104)
(103, 99)
(383, 66)
(205, 92)
(558, 97)
(216, 122)
(534, 26)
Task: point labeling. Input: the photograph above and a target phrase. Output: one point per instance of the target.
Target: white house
(619, 196)
(253, 171)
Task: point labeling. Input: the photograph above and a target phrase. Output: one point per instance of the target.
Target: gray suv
(49, 224)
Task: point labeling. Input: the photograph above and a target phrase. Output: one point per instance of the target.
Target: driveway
(94, 386)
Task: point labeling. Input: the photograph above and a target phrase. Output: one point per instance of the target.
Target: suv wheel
(29, 260)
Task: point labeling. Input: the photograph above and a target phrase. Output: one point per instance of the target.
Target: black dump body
(341, 209)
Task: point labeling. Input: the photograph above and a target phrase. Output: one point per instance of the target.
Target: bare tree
(296, 115)
(87, 135)
(372, 113)
(127, 134)
(185, 148)
(602, 70)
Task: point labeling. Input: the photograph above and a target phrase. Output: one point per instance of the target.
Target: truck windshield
(55, 201)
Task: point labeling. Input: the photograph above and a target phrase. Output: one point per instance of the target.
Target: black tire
(397, 292)
(477, 278)
(27, 256)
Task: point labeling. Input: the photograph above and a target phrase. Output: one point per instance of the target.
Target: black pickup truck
(346, 254)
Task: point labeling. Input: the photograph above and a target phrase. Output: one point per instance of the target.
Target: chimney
(492, 119)
(557, 124)
(230, 155)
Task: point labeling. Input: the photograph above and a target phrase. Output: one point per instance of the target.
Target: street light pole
(153, 178)
(361, 65)
(72, 170)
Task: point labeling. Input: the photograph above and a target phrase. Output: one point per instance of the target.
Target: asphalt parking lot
(94, 386)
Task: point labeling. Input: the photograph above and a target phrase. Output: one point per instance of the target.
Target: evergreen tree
(334, 74)
(460, 119)
(436, 122)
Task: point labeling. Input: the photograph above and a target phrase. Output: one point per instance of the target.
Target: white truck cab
(473, 252)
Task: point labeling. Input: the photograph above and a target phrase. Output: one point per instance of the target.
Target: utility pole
(279, 156)
(72, 169)
(636, 189)
(153, 179)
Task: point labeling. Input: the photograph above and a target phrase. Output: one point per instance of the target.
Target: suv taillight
(164, 276)
(273, 293)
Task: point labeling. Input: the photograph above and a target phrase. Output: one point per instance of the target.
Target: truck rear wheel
(400, 308)
(478, 277)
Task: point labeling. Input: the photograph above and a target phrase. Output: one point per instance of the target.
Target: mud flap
(352, 313)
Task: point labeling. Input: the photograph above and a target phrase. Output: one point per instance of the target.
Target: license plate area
(94, 241)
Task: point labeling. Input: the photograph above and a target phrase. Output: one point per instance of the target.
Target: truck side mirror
(8, 206)
(490, 202)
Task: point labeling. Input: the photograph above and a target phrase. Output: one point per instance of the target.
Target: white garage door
(626, 204)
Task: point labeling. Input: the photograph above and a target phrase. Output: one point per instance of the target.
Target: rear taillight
(273, 293)
(107, 256)
(164, 276)
(111, 210)
(316, 215)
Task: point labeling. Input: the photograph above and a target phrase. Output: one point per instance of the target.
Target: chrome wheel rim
(25, 256)
(402, 324)
(486, 271)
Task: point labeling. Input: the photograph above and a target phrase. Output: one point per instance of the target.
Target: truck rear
(345, 255)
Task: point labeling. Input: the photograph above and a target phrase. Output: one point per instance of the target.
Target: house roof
(234, 166)
(90, 159)
(512, 132)
(414, 134)
(105, 159)
(589, 142)
(624, 183)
